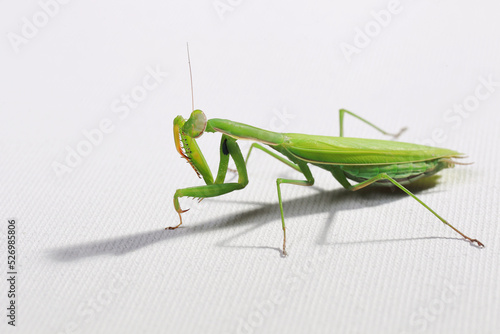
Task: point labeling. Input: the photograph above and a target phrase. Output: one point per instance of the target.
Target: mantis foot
(234, 173)
(284, 254)
(479, 243)
(396, 136)
(180, 218)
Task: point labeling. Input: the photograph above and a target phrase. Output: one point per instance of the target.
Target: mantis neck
(244, 131)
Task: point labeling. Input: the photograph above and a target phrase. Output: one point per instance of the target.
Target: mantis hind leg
(400, 186)
(229, 147)
(304, 169)
(341, 119)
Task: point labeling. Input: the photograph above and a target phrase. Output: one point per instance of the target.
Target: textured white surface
(94, 257)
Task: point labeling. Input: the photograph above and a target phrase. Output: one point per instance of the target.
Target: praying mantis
(366, 161)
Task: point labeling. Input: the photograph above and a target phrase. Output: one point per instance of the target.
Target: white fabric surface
(93, 254)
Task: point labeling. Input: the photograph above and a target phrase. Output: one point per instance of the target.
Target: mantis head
(195, 125)
(185, 133)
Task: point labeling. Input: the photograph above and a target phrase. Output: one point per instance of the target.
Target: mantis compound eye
(196, 124)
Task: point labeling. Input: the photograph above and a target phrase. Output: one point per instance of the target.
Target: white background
(93, 255)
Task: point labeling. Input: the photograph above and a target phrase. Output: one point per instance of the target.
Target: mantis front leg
(228, 147)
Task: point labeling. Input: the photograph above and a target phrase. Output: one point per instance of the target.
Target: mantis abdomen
(403, 173)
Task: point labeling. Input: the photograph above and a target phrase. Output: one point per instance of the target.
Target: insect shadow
(330, 201)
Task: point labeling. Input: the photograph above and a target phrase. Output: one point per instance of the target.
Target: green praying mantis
(365, 161)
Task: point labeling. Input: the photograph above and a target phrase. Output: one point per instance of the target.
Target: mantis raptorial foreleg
(308, 182)
(229, 147)
(341, 119)
(400, 186)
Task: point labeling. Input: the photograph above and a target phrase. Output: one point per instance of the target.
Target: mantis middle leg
(273, 154)
(299, 166)
(308, 182)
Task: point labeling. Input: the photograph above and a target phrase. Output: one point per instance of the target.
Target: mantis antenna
(190, 76)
